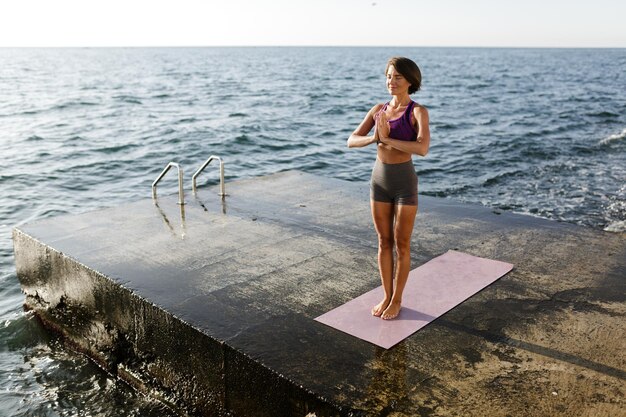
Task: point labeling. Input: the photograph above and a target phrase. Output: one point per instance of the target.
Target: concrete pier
(209, 307)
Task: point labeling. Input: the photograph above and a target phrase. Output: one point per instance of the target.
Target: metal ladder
(181, 192)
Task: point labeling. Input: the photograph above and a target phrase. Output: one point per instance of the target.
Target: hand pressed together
(382, 126)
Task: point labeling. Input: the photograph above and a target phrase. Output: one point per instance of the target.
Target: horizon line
(304, 46)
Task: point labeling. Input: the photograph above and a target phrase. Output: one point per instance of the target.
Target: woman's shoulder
(420, 112)
(419, 109)
(376, 108)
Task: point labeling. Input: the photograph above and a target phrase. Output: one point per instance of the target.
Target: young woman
(400, 131)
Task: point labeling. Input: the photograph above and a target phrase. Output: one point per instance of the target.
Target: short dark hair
(409, 70)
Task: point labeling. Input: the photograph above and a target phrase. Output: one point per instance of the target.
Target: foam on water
(613, 138)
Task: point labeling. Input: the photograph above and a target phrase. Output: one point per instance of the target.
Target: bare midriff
(388, 155)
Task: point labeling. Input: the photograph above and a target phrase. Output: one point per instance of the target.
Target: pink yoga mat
(431, 290)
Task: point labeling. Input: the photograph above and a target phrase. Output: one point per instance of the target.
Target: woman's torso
(402, 127)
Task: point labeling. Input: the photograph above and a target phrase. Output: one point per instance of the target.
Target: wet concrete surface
(210, 307)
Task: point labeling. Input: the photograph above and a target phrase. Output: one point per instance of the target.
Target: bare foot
(392, 311)
(380, 307)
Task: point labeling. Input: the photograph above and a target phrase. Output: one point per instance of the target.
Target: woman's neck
(400, 101)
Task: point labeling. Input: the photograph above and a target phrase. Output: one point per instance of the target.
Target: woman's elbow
(422, 151)
(424, 145)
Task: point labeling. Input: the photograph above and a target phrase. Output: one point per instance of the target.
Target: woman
(400, 131)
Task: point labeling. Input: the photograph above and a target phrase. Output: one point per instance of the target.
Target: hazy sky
(541, 23)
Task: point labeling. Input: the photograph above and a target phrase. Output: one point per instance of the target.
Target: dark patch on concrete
(472, 356)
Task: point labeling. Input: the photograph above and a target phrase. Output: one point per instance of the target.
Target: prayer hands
(382, 126)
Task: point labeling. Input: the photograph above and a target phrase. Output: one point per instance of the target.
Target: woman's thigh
(383, 214)
(404, 222)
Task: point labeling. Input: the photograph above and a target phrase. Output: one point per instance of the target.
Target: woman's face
(396, 83)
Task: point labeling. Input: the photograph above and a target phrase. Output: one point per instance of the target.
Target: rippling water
(535, 131)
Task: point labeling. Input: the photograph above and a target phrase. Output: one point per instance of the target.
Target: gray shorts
(394, 183)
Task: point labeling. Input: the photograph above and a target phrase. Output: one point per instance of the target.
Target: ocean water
(535, 131)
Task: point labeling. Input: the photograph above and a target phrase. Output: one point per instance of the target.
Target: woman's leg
(403, 229)
(382, 213)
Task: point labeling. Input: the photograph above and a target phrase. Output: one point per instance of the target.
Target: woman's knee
(385, 242)
(403, 246)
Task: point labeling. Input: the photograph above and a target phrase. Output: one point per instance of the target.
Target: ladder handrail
(207, 162)
(181, 194)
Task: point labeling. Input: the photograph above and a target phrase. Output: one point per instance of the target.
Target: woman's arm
(419, 147)
(359, 138)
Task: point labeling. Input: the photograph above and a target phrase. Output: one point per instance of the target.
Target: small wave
(500, 177)
(116, 148)
(128, 99)
(451, 191)
(487, 122)
(604, 114)
(46, 214)
(428, 171)
(238, 115)
(7, 178)
(173, 141)
(281, 146)
(478, 86)
(335, 110)
(318, 95)
(613, 138)
(243, 140)
(168, 131)
(442, 126)
(72, 104)
(34, 138)
(314, 165)
(326, 134)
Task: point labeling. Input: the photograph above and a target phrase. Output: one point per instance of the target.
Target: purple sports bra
(401, 128)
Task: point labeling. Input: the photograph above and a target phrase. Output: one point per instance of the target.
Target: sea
(540, 132)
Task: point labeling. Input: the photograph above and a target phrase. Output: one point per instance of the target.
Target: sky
(483, 23)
